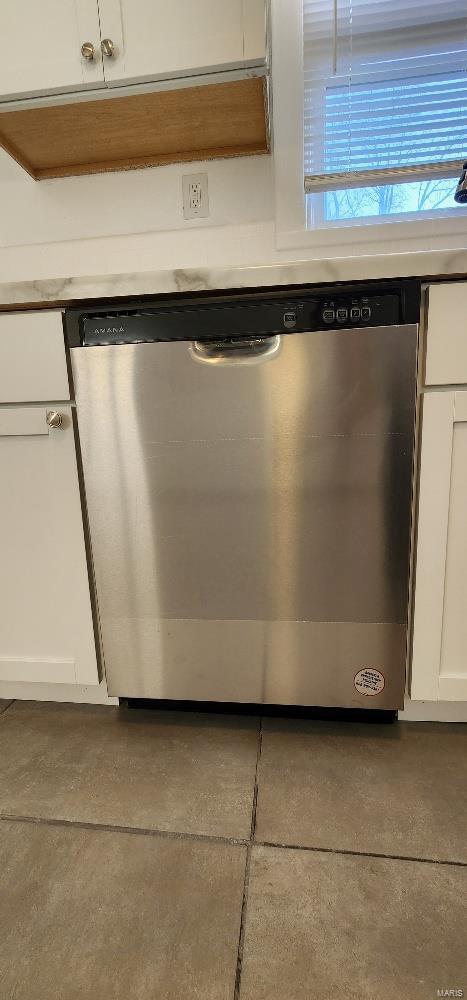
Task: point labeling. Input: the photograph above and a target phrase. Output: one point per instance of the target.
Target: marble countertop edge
(63, 291)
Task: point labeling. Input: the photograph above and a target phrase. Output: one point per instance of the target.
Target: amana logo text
(110, 329)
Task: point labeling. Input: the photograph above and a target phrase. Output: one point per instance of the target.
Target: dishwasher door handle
(237, 351)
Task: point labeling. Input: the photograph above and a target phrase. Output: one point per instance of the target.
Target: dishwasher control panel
(247, 314)
(362, 311)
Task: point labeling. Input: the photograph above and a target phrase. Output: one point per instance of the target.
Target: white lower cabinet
(46, 626)
(446, 338)
(439, 652)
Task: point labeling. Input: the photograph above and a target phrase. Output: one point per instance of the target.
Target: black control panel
(244, 315)
(379, 310)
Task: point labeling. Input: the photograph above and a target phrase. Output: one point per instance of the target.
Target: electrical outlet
(195, 196)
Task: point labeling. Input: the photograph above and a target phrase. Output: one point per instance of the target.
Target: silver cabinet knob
(87, 50)
(108, 47)
(54, 418)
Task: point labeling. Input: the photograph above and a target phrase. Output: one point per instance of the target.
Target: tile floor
(171, 856)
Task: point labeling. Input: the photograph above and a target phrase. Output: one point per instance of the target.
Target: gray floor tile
(4, 704)
(327, 926)
(93, 915)
(167, 771)
(397, 790)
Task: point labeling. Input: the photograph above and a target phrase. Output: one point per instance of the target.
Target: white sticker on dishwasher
(369, 681)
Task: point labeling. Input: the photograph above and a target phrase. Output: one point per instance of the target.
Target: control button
(366, 313)
(355, 313)
(328, 315)
(342, 314)
(290, 320)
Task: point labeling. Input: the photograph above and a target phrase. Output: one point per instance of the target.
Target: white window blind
(385, 91)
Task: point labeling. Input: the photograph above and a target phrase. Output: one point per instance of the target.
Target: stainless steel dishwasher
(247, 467)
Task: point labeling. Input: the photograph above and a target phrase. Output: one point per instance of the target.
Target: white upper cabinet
(55, 120)
(128, 41)
(41, 47)
(153, 39)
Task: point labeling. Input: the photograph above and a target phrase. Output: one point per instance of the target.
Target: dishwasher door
(249, 513)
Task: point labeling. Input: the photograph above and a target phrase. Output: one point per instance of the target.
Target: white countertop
(58, 291)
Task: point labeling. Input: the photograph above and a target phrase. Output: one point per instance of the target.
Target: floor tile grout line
(5, 709)
(246, 879)
(219, 839)
(135, 830)
(255, 786)
(358, 854)
(241, 934)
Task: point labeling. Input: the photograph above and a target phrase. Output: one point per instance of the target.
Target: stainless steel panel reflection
(273, 492)
(278, 663)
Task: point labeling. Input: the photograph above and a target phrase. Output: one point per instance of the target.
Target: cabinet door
(446, 336)
(46, 627)
(32, 357)
(439, 654)
(41, 46)
(157, 40)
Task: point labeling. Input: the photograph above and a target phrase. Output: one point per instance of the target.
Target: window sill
(391, 237)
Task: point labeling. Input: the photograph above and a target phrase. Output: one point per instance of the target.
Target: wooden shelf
(143, 130)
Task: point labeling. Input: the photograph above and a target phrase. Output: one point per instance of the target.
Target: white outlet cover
(195, 196)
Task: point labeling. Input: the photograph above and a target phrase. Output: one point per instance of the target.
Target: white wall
(133, 221)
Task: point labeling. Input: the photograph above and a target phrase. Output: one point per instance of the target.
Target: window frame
(438, 231)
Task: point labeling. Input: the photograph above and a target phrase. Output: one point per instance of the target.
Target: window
(385, 98)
